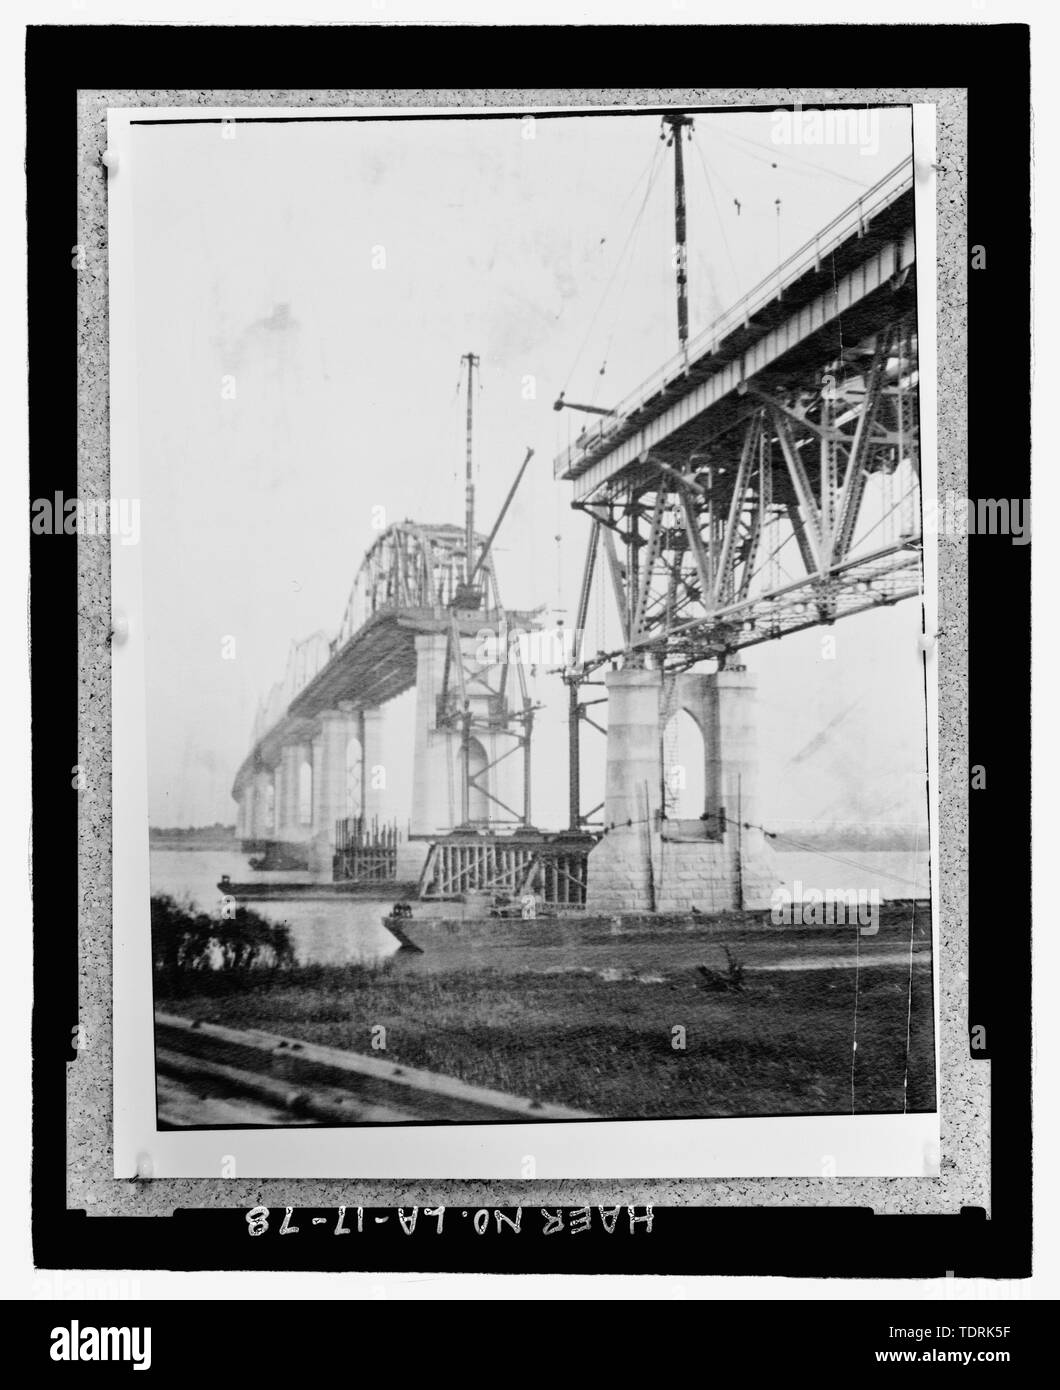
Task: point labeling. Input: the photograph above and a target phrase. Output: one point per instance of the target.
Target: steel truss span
(794, 505)
(420, 568)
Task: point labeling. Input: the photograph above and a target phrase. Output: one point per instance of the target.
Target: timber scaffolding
(366, 851)
(552, 867)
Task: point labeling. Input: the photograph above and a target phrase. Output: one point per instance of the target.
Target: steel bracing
(798, 507)
(476, 699)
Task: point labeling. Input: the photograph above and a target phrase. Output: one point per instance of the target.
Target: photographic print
(532, 584)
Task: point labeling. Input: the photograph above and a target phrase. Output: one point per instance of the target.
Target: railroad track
(326, 1085)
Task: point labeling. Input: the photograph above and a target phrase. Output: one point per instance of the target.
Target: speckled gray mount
(964, 1084)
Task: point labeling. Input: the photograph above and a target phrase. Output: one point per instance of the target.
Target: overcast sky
(334, 273)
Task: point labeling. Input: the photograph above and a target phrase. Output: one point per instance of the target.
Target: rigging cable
(773, 156)
(717, 214)
(809, 849)
(632, 241)
(652, 175)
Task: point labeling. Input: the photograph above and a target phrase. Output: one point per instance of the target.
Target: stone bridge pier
(649, 859)
(344, 749)
(316, 779)
(255, 821)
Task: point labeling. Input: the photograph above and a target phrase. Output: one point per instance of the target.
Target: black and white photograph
(522, 618)
(530, 529)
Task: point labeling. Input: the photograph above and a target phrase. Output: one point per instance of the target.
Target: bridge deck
(785, 322)
(376, 665)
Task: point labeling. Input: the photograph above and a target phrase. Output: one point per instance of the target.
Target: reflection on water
(351, 929)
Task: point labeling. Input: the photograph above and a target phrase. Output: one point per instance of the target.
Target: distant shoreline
(208, 837)
(180, 846)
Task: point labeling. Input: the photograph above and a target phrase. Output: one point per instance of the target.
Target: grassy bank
(781, 1045)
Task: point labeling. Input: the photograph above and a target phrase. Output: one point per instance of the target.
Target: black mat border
(992, 63)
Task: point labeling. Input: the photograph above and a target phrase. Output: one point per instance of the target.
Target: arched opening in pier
(354, 777)
(684, 768)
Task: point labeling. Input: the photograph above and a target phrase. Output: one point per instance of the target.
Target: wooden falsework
(556, 870)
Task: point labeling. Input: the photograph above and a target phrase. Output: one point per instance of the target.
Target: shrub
(728, 980)
(187, 943)
(736, 969)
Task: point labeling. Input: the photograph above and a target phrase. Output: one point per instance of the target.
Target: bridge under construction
(764, 481)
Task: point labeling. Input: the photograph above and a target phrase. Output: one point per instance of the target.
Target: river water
(324, 933)
(351, 929)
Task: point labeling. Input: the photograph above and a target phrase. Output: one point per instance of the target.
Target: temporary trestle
(553, 868)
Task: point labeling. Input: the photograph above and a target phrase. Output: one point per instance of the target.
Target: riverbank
(634, 1029)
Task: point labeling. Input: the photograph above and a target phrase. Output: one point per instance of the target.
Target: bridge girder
(798, 505)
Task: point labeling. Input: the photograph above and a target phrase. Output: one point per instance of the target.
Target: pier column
(435, 784)
(329, 785)
(373, 765)
(261, 821)
(245, 818)
(732, 782)
(287, 790)
(279, 793)
(292, 828)
(621, 866)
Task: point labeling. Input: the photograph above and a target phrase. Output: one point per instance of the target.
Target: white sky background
(254, 259)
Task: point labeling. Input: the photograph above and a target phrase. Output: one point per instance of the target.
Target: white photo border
(789, 1146)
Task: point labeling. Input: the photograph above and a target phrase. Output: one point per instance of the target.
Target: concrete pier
(335, 729)
(263, 823)
(293, 827)
(647, 860)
